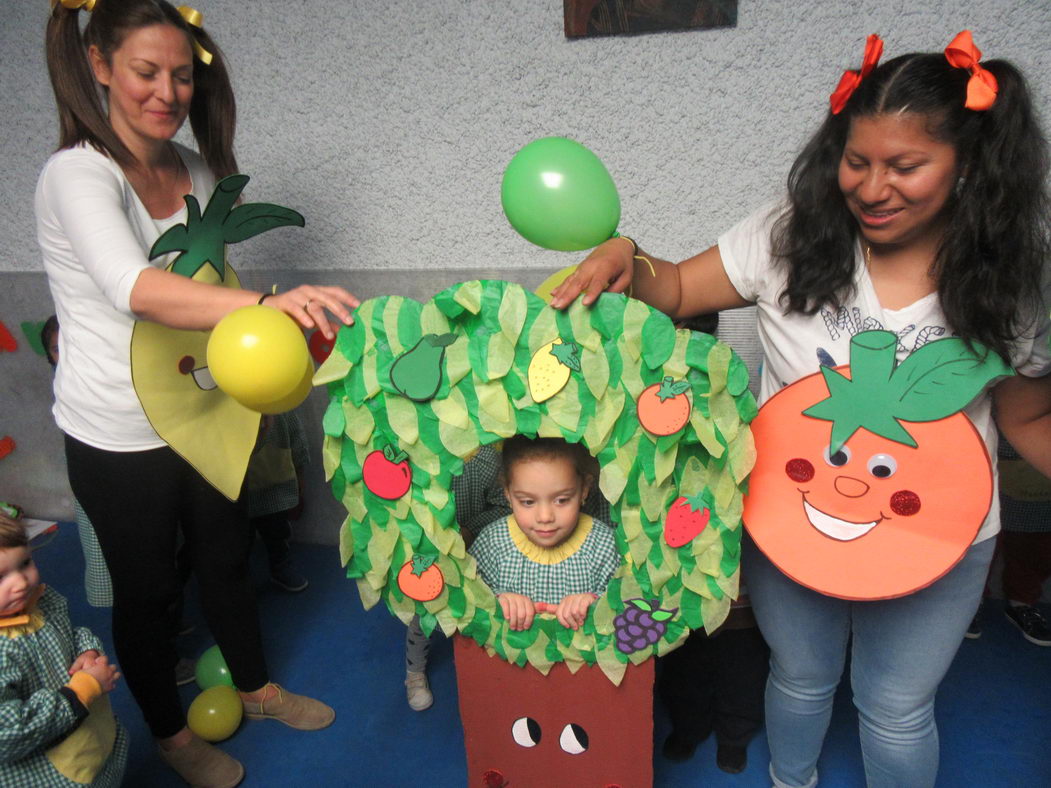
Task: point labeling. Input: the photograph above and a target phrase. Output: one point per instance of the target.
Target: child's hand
(572, 610)
(103, 672)
(518, 610)
(83, 661)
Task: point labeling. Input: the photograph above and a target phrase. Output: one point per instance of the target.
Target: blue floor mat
(994, 708)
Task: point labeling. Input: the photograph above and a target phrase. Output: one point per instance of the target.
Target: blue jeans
(901, 650)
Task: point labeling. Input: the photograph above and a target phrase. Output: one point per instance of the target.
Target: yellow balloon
(256, 354)
(215, 714)
(295, 398)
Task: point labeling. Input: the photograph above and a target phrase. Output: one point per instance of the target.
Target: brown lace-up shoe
(202, 765)
(296, 711)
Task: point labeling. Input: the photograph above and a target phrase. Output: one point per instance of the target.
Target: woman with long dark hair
(919, 207)
(123, 87)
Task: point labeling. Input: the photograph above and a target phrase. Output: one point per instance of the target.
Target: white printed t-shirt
(797, 345)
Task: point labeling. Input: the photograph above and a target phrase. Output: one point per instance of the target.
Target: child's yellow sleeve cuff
(86, 687)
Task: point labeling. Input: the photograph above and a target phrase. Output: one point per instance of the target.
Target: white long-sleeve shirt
(94, 235)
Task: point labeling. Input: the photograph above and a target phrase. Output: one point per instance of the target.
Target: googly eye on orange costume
(870, 483)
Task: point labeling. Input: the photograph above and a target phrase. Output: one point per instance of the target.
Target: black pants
(137, 502)
(276, 531)
(716, 684)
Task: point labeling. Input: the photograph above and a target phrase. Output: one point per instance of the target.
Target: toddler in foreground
(546, 557)
(56, 726)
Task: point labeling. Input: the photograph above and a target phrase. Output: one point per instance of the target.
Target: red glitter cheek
(905, 503)
(799, 470)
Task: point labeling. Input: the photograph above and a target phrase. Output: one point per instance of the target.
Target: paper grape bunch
(640, 625)
(419, 388)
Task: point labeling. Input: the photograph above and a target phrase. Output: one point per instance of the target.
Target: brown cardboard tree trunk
(616, 721)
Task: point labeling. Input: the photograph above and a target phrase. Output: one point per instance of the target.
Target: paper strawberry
(686, 518)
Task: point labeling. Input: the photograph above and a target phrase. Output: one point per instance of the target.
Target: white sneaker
(418, 691)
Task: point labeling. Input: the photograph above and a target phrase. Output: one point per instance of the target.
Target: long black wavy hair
(990, 263)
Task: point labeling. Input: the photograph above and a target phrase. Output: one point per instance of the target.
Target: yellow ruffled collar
(26, 622)
(549, 555)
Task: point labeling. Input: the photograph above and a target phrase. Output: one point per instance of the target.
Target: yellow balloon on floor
(257, 355)
(215, 714)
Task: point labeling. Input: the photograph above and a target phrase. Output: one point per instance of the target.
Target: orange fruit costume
(849, 501)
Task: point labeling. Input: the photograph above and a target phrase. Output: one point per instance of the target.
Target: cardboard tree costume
(870, 482)
(208, 428)
(415, 389)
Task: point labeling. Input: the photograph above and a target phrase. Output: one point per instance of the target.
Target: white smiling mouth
(831, 526)
(203, 378)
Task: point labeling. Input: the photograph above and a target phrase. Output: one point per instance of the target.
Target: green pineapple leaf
(202, 239)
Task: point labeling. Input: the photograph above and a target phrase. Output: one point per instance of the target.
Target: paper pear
(417, 373)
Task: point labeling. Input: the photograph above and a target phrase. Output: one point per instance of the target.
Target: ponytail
(81, 111)
(81, 116)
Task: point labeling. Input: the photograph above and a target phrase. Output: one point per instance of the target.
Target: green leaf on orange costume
(932, 383)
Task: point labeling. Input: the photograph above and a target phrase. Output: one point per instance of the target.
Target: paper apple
(869, 482)
(386, 473)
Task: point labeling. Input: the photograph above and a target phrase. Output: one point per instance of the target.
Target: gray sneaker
(418, 691)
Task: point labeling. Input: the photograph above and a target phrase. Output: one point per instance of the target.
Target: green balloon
(557, 194)
(211, 670)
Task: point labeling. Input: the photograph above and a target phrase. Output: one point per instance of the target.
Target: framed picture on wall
(618, 17)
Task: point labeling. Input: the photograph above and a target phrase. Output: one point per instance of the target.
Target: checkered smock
(510, 563)
(34, 715)
(272, 481)
(97, 584)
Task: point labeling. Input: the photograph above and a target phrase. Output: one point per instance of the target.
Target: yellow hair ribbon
(76, 5)
(192, 17)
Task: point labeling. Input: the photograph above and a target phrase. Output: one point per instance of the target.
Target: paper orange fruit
(664, 408)
(872, 509)
(420, 578)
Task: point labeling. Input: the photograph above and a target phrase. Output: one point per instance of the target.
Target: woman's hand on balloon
(306, 305)
(610, 266)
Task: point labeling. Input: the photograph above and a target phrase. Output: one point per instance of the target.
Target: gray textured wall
(389, 123)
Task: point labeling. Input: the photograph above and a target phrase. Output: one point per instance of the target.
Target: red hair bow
(850, 80)
(982, 86)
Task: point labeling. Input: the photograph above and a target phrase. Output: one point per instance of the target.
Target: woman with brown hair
(123, 88)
